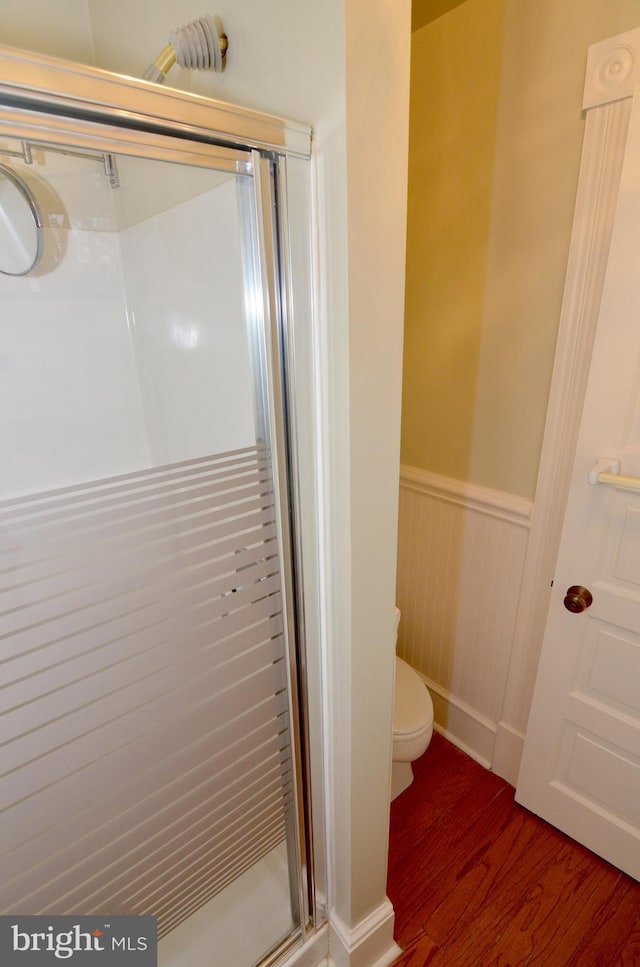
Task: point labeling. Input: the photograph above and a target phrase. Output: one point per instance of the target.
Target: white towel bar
(607, 471)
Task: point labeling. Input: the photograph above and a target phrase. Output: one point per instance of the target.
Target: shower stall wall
(153, 697)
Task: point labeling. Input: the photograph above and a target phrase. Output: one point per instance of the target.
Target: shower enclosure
(153, 746)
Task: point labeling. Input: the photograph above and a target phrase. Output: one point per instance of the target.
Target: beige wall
(377, 101)
(455, 75)
(475, 410)
(424, 11)
(61, 28)
(281, 59)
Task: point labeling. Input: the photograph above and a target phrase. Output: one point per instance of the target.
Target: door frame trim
(613, 71)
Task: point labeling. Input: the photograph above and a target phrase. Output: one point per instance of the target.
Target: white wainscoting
(461, 552)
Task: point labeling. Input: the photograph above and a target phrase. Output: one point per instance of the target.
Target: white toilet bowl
(412, 723)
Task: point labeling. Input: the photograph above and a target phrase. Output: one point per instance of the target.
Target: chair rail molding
(494, 503)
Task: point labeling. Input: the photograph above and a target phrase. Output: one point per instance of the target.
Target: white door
(581, 765)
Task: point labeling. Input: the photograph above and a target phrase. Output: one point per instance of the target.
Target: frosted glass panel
(145, 761)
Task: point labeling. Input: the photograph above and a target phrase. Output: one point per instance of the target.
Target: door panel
(581, 763)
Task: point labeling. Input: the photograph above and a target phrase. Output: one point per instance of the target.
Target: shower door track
(35, 83)
(43, 99)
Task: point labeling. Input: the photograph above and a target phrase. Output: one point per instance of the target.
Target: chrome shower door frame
(46, 100)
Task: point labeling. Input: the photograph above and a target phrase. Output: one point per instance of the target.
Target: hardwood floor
(477, 881)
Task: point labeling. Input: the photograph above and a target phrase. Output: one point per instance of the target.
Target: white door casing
(581, 763)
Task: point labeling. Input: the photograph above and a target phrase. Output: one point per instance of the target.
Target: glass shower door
(147, 756)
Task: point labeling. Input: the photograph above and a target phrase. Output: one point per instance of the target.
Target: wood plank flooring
(477, 881)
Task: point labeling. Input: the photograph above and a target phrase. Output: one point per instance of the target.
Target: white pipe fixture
(199, 45)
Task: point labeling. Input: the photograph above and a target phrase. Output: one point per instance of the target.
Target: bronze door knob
(578, 599)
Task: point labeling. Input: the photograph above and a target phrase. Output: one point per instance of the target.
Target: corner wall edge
(369, 943)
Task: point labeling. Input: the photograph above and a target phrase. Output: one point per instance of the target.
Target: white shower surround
(142, 356)
(183, 284)
(355, 350)
(72, 309)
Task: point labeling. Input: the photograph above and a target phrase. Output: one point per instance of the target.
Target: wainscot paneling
(461, 551)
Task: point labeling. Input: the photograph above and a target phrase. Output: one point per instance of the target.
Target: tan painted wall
(476, 410)
(376, 101)
(424, 11)
(60, 28)
(455, 75)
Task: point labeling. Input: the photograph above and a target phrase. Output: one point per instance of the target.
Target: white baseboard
(369, 944)
(462, 725)
(507, 752)
(498, 749)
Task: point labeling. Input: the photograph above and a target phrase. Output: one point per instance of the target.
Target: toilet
(412, 721)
